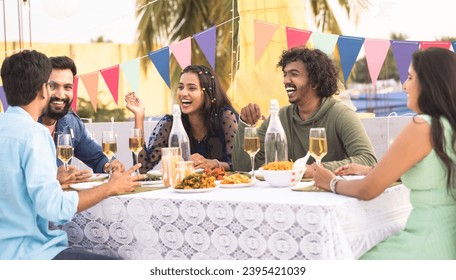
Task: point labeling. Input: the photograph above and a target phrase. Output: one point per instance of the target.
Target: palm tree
(324, 14)
(164, 21)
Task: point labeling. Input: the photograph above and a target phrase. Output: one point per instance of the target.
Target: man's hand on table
(72, 176)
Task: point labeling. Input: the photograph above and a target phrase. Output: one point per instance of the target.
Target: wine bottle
(275, 144)
(178, 137)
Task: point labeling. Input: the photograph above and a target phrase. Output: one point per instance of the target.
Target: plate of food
(85, 185)
(196, 183)
(152, 180)
(237, 180)
(189, 190)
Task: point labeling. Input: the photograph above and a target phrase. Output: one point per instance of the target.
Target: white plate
(196, 190)
(152, 183)
(98, 177)
(241, 185)
(85, 186)
(155, 172)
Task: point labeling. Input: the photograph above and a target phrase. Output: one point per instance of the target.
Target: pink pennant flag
(297, 37)
(427, 45)
(376, 51)
(75, 93)
(263, 33)
(111, 77)
(91, 84)
(182, 51)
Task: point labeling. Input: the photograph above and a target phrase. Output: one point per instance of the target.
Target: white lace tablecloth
(258, 222)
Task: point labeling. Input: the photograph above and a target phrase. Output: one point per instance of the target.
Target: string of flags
(349, 48)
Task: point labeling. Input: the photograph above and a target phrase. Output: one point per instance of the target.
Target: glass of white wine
(109, 145)
(136, 142)
(64, 149)
(318, 146)
(251, 145)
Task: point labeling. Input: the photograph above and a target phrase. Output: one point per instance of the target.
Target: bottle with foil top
(178, 137)
(275, 143)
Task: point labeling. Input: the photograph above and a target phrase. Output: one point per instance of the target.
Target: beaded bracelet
(333, 183)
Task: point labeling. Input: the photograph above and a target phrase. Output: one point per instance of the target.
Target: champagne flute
(109, 145)
(136, 142)
(64, 149)
(318, 146)
(251, 145)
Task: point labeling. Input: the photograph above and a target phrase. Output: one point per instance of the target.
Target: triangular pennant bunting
(182, 51)
(131, 71)
(111, 77)
(376, 51)
(160, 59)
(263, 33)
(297, 37)
(402, 51)
(206, 42)
(74, 103)
(91, 84)
(349, 48)
(427, 45)
(3, 98)
(324, 42)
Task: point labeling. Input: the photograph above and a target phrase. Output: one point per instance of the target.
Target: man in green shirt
(310, 80)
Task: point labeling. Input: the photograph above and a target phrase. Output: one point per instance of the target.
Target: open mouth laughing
(290, 89)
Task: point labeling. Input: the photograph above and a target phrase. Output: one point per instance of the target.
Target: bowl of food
(280, 174)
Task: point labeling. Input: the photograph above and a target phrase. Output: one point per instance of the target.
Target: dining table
(239, 222)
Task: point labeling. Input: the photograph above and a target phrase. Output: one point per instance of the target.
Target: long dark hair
(215, 98)
(436, 72)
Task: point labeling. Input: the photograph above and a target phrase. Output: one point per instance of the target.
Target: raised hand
(251, 113)
(134, 103)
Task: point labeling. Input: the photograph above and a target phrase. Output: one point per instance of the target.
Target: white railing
(381, 131)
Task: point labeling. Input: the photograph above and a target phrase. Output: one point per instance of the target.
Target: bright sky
(79, 21)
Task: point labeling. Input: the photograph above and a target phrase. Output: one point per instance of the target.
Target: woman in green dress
(423, 155)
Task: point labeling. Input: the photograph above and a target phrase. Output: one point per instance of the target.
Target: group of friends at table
(39, 91)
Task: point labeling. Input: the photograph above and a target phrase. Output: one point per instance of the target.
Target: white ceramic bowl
(281, 178)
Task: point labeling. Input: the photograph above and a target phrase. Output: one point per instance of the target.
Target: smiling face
(190, 94)
(61, 93)
(297, 83)
(413, 89)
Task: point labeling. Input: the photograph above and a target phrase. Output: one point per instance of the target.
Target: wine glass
(64, 149)
(251, 145)
(136, 142)
(109, 145)
(318, 146)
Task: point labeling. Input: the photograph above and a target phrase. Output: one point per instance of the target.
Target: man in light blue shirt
(30, 195)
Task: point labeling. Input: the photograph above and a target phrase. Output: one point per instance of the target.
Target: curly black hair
(323, 73)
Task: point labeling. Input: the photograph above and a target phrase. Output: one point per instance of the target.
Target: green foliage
(165, 22)
(103, 113)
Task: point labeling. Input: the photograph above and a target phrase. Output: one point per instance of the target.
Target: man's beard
(55, 115)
